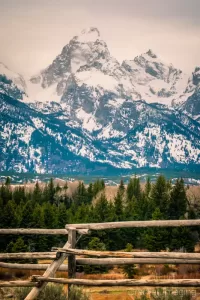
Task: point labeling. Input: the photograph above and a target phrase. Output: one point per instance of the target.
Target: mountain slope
(35, 142)
(189, 101)
(11, 83)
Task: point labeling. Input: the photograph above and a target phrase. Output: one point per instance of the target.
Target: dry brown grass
(109, 276)
(121, 296)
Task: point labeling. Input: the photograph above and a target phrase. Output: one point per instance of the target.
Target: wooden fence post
(71, 257)
(51, 270)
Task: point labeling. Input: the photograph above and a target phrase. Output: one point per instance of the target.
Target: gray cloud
(33, 32)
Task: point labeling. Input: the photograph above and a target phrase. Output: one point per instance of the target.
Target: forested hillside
(50, 206)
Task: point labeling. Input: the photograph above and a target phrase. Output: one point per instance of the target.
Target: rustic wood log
(147, 255)
(71, 257)
(17, 283)
(130, 261)
(28, 255)
(172, 255)
(51, 270)
(131, 224)
(124, 282)
(40, 231)
(101, 261)
(29, 266)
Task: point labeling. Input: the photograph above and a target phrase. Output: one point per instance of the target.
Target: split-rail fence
(69, 251)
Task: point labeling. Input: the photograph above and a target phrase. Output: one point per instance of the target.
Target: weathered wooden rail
(74, 256)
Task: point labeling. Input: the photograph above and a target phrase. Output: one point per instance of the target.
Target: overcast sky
(33, 32)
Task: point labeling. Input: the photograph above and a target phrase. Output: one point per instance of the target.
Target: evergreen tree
(90, 192)
(181, 239)
(9, 218)
(148, 187)
(156, 239)
(101, 209)
(98, 186)
(178, 200)
(62, 216)
(5, 191)
(118, 206)
(81, 195)
(160, 196)
(131, 209)
(129, 270)
(121, 187)
(134, 189)
(19, 195)
(96, 245)
(51, 191)
(27, 215)
(8, 182)
(19, 246)
(37, 194)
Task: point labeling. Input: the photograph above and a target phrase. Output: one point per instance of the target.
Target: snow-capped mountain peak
(90, 34)
(86, 110)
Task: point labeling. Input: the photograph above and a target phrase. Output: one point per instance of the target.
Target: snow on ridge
(88, 120)
(36, 93)
(15, 77)
(96, 78)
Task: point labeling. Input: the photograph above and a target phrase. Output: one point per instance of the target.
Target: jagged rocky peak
(90, 34)
(196, 76)
(151, 54)
(82, 50)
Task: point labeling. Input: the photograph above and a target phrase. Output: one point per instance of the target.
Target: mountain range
(88, 113)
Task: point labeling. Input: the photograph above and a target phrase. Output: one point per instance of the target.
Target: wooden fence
(59, 255)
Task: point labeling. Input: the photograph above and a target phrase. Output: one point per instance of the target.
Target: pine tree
(81, 195)
(131, 209)
(96, 245)
(129, 270)
(160, 196)
(8, 182)
(19, 246)
(9, 217)
(6, 192)
(62, 216)
(51, 191)
(156, 239)
(121, 187)
(27, 215)
(178, 200)
(98, 186)
(37, 194)
(102, 209)
(148, 187)
(19, 195)
(134, 189)
(118, 205)
(90, 192)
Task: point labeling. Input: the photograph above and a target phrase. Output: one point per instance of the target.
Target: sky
(33, 32)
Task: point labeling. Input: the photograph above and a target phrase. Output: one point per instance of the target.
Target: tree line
(52, 207)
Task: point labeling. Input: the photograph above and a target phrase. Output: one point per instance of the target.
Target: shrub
(160, 294)
(53, 292)
(77, 294)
